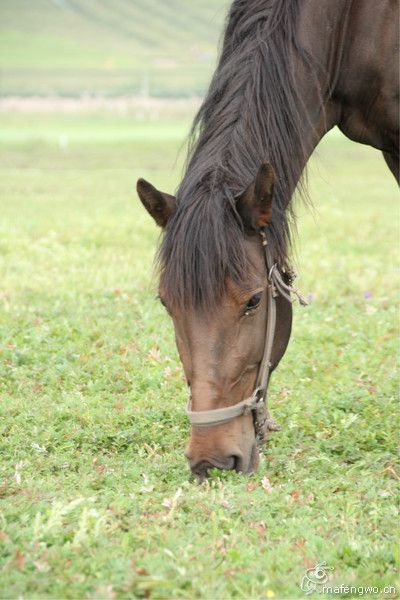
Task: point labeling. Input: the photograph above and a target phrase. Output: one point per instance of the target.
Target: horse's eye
(253, 302)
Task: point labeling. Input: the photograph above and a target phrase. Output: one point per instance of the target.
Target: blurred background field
(95, 496)
(77, 47)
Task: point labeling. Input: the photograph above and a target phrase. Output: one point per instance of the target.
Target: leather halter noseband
(255, 404)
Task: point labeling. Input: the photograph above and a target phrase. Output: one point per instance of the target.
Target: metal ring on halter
(274, 266)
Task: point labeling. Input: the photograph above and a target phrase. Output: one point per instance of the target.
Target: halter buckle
(248, 409)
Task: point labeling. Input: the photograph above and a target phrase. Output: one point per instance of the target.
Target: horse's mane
(252, 112)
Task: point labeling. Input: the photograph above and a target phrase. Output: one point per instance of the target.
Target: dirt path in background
(168, 106)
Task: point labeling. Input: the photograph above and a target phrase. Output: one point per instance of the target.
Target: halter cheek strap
(256, 404)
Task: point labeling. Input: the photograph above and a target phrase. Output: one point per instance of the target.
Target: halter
(256, 404)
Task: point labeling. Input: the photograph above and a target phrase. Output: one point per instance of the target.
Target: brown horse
(289, 71)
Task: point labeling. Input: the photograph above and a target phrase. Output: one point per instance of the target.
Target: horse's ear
(255, 204)
(158, 204)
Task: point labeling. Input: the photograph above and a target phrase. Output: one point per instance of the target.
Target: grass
(96, 499)
(71, 47)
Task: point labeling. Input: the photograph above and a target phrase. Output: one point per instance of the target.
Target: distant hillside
(108, 47)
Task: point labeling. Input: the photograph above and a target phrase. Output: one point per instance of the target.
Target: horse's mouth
(233, 463)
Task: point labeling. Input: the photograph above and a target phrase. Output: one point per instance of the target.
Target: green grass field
(95, 495)
(75, 47)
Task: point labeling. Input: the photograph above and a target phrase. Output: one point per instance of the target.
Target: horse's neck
(315, 77)
(358, 84)
(322, 28)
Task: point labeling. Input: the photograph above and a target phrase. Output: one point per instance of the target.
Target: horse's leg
(393, 163)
